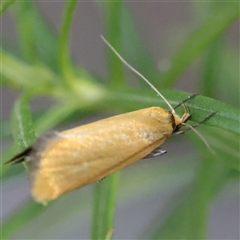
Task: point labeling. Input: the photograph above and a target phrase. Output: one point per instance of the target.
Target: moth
(60, 162)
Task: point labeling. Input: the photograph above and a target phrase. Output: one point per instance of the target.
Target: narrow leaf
(54, 116)
(4, 5)
(104, 207)
(199, 39)
(37, 78)
(135, 51)
(23, 11)
(113, 16)
(37, 39)
(226, 116)
(22, 125)
(64, 54)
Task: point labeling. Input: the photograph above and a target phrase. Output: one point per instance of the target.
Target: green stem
(113, 15)
(104, 207)
(64, 53)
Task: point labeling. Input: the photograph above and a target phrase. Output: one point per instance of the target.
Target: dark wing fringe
(38, 146)
(20, 157)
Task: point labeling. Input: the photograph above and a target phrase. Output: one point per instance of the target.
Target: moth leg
(155, 153)
(185, 100)
(195, 125)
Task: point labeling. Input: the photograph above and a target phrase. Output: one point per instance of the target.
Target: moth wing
(64, 161)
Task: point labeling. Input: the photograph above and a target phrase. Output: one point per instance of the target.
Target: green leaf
(135, 51)
(64, 55)
(37, 78)
(199, 40)
(38, 43)
(4, 5)
(25, 29)
(112, 16)
(22, 125)
(54, 116)
(225, 146)
(211, 68)
(5, 129)
(24, 136)
(226, 116)
(104, 207)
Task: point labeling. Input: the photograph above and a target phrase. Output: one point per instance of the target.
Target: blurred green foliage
(45, 68)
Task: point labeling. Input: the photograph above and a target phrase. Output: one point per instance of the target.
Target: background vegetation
(43, 66)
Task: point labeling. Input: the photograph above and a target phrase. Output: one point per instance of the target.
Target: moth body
(63, 161)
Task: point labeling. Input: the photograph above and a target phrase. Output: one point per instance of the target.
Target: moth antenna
(200, 135)
(138, 73)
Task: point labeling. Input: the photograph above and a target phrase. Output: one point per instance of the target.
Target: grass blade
(113, 16)
(198, 40)
(22, 125)
(104, 207)
(135, 52)
(23, 75)
(226, 117)
(64, 55)
(54, 116)
(24, 16)
(4, 5)
(38, 42)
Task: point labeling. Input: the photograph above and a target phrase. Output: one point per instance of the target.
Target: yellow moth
(60, 162)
